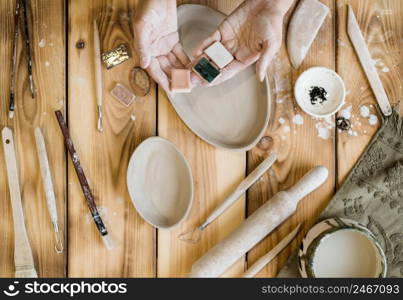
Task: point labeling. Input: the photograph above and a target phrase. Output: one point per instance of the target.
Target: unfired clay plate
(232, 115)
(160, 183)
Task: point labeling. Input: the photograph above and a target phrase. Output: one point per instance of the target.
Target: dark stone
(80, 44)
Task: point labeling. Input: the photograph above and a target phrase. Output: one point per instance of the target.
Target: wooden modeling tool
(367, 63)
(257, 226)
(28, 46)
(13, 75)
(24, 262)
(109, 244)
(269, 256)
(98, 76)
(48, 187)
(194, 235)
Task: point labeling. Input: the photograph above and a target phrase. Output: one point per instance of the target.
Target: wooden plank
(47, 30)
(105, 156)
(299, 146)
(381, 25)
(216, 173)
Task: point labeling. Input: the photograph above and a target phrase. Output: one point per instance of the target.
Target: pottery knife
(367, 63)
(269, 256)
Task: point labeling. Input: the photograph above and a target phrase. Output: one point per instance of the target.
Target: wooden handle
(242, 187)
(97, 65)
(307, 184)
(46, 175)
(24, 262)
(265, 259)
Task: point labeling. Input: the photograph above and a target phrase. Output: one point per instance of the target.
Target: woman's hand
(253, 32)
(157, 40)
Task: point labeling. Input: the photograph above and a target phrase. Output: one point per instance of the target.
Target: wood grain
(381, 25)
(49, 76)
(216, 173)
(299, 146)
(105, 156)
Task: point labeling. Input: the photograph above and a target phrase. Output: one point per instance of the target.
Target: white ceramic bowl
(232, 115)
(327, 79)
(341, 248)
(160, 183)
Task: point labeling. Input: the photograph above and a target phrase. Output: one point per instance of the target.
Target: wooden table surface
(64, 79)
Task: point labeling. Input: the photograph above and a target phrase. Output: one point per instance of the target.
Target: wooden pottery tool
(303, 28)
(98, 76)
(24, 262)
(257, 226)
(269, 256)
(13, 75)
(48, 187)
(367, 63)
(28, 46)
(109, 244)
(194, 235)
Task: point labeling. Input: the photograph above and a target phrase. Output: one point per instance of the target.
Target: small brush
(109, 244)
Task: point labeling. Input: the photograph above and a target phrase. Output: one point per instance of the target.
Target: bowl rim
(189, 169)
(309, 244)
(269, 102)
(342, 98)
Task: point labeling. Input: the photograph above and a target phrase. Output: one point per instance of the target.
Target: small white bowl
(327, 79)
(339, 247)
(160, 183)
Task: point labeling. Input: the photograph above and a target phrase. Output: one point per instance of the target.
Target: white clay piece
(303, 28)
(219, 54)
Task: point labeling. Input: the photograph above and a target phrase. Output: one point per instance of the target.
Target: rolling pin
(263, 221)
(194, 235)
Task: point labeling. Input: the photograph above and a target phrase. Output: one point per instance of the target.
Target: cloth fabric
(373, 195)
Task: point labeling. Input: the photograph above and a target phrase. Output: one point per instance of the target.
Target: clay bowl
(160, 183)
(339, 247)
(232, 115)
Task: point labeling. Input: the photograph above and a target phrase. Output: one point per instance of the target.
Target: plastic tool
(360, 47)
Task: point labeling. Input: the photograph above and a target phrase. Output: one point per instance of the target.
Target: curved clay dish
(160, 183)
(232, 115)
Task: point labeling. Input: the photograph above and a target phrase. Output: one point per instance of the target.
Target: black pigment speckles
(317, 95)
